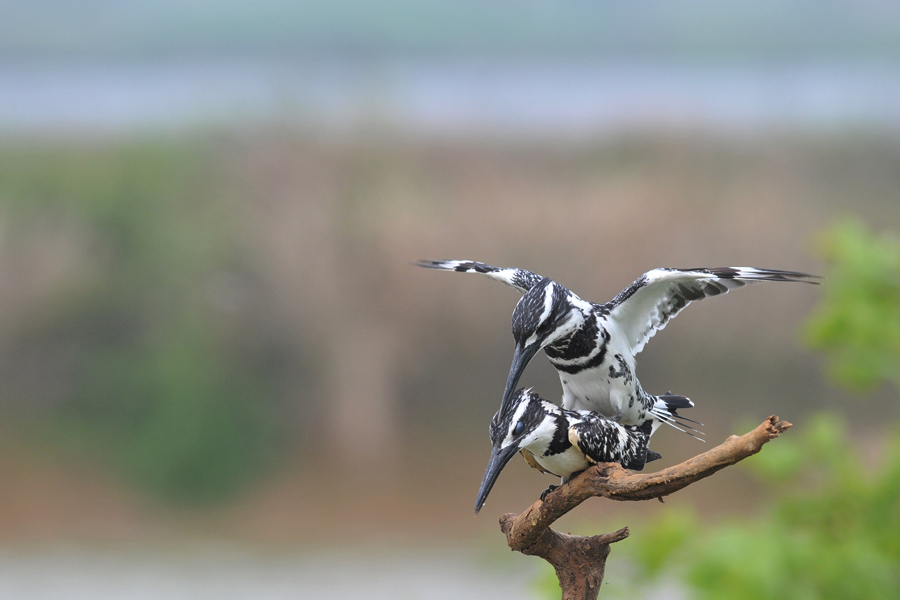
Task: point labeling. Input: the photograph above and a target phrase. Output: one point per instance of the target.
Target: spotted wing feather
(647, 305)
(603, 440)
(520, 279)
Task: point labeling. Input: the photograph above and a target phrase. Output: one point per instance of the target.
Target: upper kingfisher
(593, 346)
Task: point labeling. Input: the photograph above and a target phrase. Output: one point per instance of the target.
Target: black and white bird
(593, 346)
(560, 442)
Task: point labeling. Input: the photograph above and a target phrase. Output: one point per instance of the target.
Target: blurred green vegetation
(830, 530)
(164, 376)
(857, 325)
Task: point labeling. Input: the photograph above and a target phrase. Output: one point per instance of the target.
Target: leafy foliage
(831, 533)
(161, 371)
(858, 323)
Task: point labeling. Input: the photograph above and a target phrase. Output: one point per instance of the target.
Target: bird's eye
(519, 428)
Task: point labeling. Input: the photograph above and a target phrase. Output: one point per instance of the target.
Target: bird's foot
(547, 491)
(652, 455)
(618, 415)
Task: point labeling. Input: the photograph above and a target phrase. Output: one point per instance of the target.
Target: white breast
(597, 389)
(587, 390)
(564, 463)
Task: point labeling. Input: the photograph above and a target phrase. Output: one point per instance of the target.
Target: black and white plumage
(560, 442)
(593, 346)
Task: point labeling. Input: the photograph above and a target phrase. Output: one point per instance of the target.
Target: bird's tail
(665, 410)
(643, 454)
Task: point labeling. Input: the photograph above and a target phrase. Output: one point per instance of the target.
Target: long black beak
(499, 458)
(521, 357)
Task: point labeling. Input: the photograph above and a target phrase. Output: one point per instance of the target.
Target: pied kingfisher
(592, 346)
(560, 442)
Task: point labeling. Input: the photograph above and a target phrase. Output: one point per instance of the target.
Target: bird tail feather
(665, 410)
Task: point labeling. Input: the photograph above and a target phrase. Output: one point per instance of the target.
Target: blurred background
(221, 377)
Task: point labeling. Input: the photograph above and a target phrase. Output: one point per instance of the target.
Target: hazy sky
(691, 27)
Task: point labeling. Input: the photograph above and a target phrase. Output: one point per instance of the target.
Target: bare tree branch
(580, 561)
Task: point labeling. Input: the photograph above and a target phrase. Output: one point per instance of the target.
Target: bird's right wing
(520, 279)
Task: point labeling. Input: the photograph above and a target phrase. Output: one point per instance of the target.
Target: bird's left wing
(647, 305)
(520, 279)
(603, 440)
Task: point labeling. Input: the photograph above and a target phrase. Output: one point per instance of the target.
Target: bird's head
(527, 420)
(548, 313)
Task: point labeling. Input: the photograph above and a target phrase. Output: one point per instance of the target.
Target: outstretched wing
(520, 279)
(644, 307)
